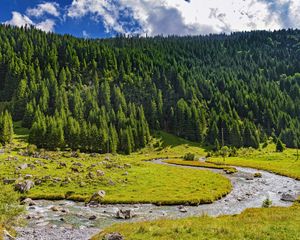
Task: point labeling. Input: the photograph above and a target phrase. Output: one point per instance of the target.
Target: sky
(106, 18)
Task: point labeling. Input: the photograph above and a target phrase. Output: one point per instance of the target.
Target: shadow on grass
(21, 133)
(170, 140)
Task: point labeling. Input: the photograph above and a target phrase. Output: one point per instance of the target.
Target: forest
(109, 95)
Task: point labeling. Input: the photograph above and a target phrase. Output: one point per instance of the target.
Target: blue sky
(105, 18)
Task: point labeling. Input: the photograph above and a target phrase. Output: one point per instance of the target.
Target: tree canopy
(106, 95)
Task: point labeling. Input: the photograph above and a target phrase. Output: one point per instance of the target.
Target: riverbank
(79, 219)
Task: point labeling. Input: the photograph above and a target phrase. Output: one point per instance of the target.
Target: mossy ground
(253, 224)
(141, 182)
(283, 163)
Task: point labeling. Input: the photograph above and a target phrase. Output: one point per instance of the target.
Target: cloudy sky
(105, 18)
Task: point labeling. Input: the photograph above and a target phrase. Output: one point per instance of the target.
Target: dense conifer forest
(107, 95)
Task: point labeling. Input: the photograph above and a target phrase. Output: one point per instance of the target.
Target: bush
(31, 149)
(10, 208)
(189, 157)
(279, 146)
(267, 203)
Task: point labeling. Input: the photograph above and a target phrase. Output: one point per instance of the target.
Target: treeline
(105, 95)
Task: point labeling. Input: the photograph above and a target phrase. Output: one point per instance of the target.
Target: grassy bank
(283, 163)
(253, 224)
(126, 179)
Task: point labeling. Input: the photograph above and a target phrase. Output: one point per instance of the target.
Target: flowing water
(75, 223)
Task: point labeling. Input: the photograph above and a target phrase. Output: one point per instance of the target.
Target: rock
(125, 214)
(62, 165)
(32, 166)
(65, 210)
(57, 179)
(111, 182)
(78, 164)
(9, 181)
(107, 158)
(38, 182)
(125, 174)
(93, 155)
(127, 165)
(56, 209)
(92, 217)
(113, 236)
(250, 178)
(182, 209)
(100, 173)
(97, 196)
(24, 186)
(28, 176)
(91, 175)
(288, 197)
(23, 166)
(29, 202)
(74, 169)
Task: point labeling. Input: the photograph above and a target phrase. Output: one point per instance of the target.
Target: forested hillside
(107, 95)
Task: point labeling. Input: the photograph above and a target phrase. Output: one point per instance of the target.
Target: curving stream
(75, 222)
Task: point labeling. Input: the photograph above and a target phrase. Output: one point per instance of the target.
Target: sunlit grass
(253, 224)
(284, 163)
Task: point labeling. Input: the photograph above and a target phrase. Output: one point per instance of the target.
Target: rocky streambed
(51, 220)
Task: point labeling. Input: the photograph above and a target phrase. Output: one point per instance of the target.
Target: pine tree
(6, 128)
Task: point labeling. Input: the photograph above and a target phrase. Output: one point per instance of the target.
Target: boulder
(90, 175)
(62, 165)
(125, 214)
(113, 236)
(28, 176)
(24, 186)
(100, 173)
(288, 197)
(23, 166)
(29, 202)
(182, 209)
(93, 217)
(9, 181)
(78, 164)
(97, 196)
(57, 209)
(38, 182)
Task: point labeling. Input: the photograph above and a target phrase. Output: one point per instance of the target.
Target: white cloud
(85, 34)
(105, 9)
(46, 26)
(183, 17)
(20, 20)
(50, 8)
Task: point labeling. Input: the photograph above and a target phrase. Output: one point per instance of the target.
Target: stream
(80, 222)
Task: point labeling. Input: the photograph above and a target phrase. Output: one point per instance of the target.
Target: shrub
(189, 157)
(10, 208)
(31, 149)
(265, 145)
(279, 146)
(267, 203)
(257, 175)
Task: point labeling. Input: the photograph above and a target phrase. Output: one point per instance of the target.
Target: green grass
(143, 182)
(268, 159)
(253, 224)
